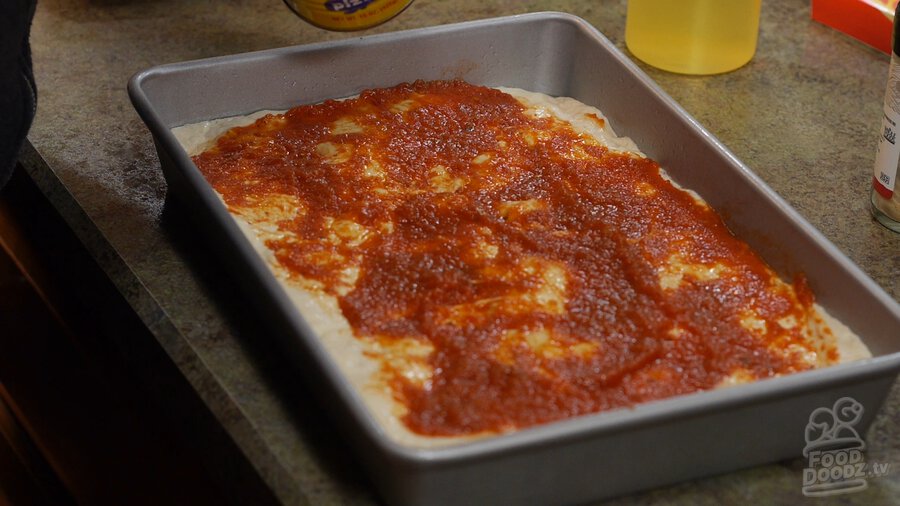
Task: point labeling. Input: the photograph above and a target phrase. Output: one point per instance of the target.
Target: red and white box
(869, 21)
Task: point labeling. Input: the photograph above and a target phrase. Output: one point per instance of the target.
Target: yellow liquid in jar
(693, 36)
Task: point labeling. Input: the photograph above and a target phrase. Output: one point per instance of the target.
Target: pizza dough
(375, 367)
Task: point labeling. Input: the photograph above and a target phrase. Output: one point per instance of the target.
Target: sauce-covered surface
(508, 269)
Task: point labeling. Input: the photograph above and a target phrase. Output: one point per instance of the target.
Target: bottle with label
(347, 15)
(885, 191)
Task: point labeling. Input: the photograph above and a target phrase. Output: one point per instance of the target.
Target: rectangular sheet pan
(575, 460)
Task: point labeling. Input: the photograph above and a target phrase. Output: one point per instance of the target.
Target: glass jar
(693, 36)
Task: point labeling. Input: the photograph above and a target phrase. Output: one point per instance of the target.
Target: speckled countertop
(803, 115)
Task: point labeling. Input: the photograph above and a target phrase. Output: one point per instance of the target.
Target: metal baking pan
(580, 459)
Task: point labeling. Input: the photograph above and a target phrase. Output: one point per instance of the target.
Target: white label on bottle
(888, 146)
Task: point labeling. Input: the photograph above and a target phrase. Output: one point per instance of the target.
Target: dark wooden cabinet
(75, 426)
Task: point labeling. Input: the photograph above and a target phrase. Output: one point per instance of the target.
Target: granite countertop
(804, 115)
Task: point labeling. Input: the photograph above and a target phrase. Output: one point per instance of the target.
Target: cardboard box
(869, 21)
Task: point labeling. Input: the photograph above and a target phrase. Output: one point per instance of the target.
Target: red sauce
(648, 342)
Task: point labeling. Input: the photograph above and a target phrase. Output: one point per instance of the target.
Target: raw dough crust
(349, 353)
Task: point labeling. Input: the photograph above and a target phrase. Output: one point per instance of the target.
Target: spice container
(885, 191)
(347, 15)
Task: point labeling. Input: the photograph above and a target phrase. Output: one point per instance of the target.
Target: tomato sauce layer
(539, 274)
